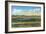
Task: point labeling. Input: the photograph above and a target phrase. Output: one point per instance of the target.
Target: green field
(26, 21)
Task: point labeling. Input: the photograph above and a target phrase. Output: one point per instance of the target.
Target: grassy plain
(26, 21)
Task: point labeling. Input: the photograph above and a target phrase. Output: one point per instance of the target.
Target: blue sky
(16, 10)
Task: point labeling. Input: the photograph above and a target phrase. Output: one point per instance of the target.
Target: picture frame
(21, 16)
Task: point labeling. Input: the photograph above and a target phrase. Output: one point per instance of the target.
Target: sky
(25, 10)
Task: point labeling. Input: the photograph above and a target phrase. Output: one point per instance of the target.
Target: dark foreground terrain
(26, 21)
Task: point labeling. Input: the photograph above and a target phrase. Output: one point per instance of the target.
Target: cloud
(15, 11)
(36, 9)
(28, 12)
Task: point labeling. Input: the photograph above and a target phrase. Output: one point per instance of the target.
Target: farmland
(26, 21)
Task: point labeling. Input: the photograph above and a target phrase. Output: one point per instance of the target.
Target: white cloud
(37, 9)
(15, 11)
(21, 12)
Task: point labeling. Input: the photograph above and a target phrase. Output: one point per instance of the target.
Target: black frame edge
(44, 16)
(6, 16)
(27, 2)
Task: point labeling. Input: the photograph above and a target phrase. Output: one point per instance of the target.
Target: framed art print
(23, 16)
